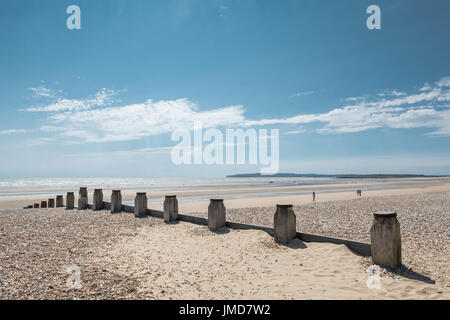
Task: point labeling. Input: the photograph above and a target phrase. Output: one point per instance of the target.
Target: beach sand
(238, 264)
(255, 195)
(120, 256)
(300, 199)
(424, 225)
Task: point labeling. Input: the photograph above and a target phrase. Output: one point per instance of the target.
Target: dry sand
(120, 256)
(238, 264)
(424, 222)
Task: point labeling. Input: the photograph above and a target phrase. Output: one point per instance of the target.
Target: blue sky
(102, 101)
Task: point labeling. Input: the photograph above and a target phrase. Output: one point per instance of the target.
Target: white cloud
(352, 99)
(139, 120)
(397, 93)
(125, 153)
(51, 128)
(394, 93)
(426, 87)
(444, 82)
(101, 98)
(43, 92)
(298, 131)
(41, 141)
(92, 120)
(12, 131)
(397, 112)
(300, 94)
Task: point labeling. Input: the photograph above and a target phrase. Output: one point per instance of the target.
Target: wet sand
(253, 196)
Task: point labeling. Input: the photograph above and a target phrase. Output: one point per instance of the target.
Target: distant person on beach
(314, 197)
(358, 192)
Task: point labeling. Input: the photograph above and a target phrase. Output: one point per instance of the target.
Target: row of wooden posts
(384, 233)
(50, 204)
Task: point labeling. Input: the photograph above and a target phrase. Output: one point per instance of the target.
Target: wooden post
(386, 245)
(216, 214)
(140, 205)
(70, 199)
(170, 209)
(59, 201)
(116, 201)
(98, 200)
(44, 204)
(284, 224)
(82, 199)
(51, 203)
(36, 205)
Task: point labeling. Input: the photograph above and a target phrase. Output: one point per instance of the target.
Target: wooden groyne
(385, 246)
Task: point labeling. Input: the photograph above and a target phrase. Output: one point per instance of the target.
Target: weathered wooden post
(170, 209)
(36, 205)
(59, 201)
(43, 204)
(82, 199)
(216, 214)
(98, 200)
(70, 201)
(385, 239)
(140, 205)
(51, 203)
(116, 201)
(284, 223)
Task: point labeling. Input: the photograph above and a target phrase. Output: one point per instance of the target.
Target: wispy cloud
(12, 131)
(104, 97)
(401, 110)
(393, 93)
(43, 92)
(92, 119)
(127, 153)
(300, 94)
(444, 82)
(138, 120)
(41, 141)
(426, 87)
(298, 131)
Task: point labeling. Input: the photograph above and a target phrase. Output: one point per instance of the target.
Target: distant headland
(337, 176)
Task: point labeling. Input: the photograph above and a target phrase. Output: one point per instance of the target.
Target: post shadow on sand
(172, 222)
(408, 273)
(296, 244)
(223, 230)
